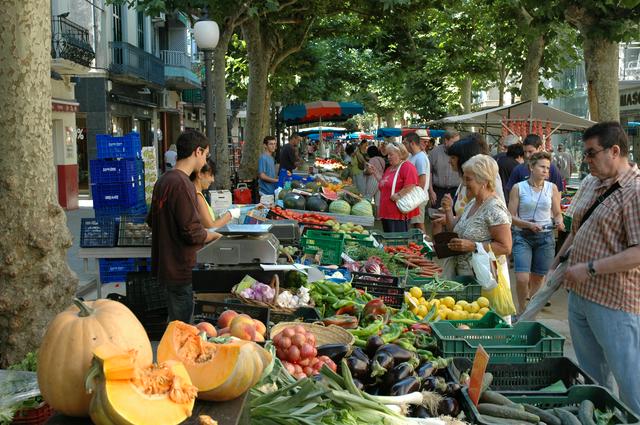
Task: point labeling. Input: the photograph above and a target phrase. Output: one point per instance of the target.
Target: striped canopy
(320, 111)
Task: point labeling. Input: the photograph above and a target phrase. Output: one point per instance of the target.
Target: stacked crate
(117, 188)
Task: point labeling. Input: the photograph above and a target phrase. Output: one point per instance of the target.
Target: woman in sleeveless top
(202, 180)
(535, 207)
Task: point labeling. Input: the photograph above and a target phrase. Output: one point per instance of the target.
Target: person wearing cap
(444, 178)
(513, 156)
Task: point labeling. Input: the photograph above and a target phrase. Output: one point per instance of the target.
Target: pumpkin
(125, 393)
(67, 349)
(220, 371)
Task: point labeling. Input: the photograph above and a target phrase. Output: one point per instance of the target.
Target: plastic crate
(470, 292)
(115, 270)
(133, 231)
(509, 378)
(125, 194)
(385, 287)
(116, 170)
(117, 211)
(144, 292)
(400, 238)
(491, 320)
(601, 398)
(526, 342)
(358, 239)
(115, 147)
(331, 244)
(210, 311)
(283, 179)
(98, 232)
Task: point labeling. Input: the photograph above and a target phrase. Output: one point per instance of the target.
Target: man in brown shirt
(177, 231)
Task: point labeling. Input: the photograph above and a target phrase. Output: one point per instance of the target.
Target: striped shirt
(441, 171)
(613, 227)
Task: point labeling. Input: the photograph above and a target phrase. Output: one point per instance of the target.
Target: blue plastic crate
(98, 232)
(117, 211)
(116, 170)
(128, 146)
(127, 194)
(116, 269)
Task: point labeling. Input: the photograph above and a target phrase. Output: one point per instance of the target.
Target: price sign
(480, 363)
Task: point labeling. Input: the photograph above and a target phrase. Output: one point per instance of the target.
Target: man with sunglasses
(603, 276)
(177, 233)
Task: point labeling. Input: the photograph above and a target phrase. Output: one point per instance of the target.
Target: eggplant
(449, 406)
(429, 383)
(382, 361)
(425, 370)
(358, 367)
(373, 344)
(420, 412)
(335, 352)
(360, 354)
(406, 386)
(359, 385)
(398, 373)
(400, 355)
(453, 388)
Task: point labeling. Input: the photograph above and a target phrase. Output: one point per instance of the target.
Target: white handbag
(411, 200)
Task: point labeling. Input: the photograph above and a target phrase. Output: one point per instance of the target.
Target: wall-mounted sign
(630, 99)
(65, 107)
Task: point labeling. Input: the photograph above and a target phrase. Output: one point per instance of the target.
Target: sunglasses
(592, 153)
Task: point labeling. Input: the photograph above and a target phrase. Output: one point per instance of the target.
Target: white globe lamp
(207, 34)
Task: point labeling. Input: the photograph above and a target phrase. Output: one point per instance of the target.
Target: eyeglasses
(592, 153)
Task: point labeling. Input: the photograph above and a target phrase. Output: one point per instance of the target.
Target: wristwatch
(590, 269)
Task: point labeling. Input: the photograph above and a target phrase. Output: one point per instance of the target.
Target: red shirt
(407, 176)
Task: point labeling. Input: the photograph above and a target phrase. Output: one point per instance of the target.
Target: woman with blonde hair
(485, 218)
(405, 175)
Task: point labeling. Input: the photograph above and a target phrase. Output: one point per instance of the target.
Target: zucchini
(487, 379)
(546, 416)
(507, 412)
(493, 397)
(494, 420)
(585, 412)
(567, 417)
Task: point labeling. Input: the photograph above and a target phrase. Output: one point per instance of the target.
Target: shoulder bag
(411, 200)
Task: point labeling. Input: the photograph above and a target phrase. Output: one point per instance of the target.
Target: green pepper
(406, 344)
(373, 329)
(425, 355)
(392, 334)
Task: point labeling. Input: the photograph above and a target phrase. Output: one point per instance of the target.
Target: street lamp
(207, 34)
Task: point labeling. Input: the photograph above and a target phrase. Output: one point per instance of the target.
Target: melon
(340, 207)
(316, 203)
(294, 201)
(362, 208)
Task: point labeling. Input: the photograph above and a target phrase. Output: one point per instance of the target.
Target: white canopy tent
(494, 119)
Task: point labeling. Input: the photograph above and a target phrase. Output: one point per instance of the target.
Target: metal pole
(209, 107)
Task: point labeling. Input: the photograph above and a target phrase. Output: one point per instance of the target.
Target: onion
(298, 340)
(288, 332)
(293, 354)
(307, 351)
(285, 342)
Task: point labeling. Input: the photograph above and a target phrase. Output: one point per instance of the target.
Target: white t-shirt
(421, 161)
(170, 157)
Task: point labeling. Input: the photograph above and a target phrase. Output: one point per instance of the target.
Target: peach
(224, 321)
(258, 338)
(243, 328)
(207, 328)
(260, 327)
(224, 331)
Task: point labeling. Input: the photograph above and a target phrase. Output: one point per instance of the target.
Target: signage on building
(630, 99)
(64, 107)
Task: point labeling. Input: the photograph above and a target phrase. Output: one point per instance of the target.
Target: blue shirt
(267, 165)
(521, 173)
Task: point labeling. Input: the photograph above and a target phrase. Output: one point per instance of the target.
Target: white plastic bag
(481, 263)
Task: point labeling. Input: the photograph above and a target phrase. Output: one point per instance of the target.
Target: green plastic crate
(400, 238)
(358, 239)
(601, 398)
(491, 320)
(524, 377)
(526, 342)
(331, 244)
(471, 291)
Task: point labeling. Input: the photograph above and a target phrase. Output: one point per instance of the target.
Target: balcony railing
(193, 96)
(70, 41)
(130, 60)
(175, 58)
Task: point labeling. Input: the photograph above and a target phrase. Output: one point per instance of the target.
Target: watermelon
(282, 194)
(294, 201)
(340, 207)
(316, 203)
(362, 208)
(329, 194)
(296, 184)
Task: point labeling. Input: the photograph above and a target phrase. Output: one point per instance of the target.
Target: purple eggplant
(373, 344)
(420, 412)
(400, 355)
(397, 374)
(382, 362)
(425, 370)
(449, 406)
(358, 367)
(406, 386)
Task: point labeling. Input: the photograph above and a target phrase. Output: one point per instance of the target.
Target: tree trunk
(531, 69)
(465, 95)
(223, 172)
(502, 82)
(267, 117)
(35, 280)
(390, 118)
(601, 67)
(257, 57)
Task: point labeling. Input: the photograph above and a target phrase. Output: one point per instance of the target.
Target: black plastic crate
(384, 287)
(133, 231)
(145, 293)
(302, 314)
(98, 232)
(210, 311)
(154, 322)
(375, 279)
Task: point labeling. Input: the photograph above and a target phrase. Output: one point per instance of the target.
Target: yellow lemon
(443, 315)
(467, 308)
(483, 302)
(462, 303)
(464, 315)
(414, 310)
(448, 301)
(475, 307)
(458, 307)
(422, 301)
(435, 302)
(410, 300)
(422, 310)
(483, 310)
(476, 316)
(416, 292)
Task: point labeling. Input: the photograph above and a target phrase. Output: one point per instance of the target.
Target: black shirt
(288, 157)
(506, 164)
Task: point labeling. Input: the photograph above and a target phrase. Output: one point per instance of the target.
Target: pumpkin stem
(85, 310)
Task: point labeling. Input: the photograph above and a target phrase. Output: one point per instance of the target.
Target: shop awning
(320, 111)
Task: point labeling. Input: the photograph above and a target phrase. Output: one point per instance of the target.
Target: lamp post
(207, 34)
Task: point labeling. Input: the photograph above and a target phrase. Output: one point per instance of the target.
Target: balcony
(132, 65)
(630, 62)
(177, 72)
(70, 46)
(193, 96)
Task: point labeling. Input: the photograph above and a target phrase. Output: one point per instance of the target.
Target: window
(141, 30)
(117, 22)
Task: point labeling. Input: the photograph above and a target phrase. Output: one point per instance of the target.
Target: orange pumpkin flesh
(65, 354)
(124, 393)
(220, 371)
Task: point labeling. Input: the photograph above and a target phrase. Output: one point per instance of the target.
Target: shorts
(420, 217)
(533, 252)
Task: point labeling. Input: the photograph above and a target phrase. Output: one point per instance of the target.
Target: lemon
(448, 301)
(467, 308)
(464, 315)
(422, 301)
(483, 310)
(462, 303)
(422, 310)
(476, 316)
(443, 315)
(416, 292)
(435, 302)
(475, 307)
(458, 307)
(483, 302)
(410, 300)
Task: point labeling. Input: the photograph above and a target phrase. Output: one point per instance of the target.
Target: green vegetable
(545, 416)
(372, 329)
(507, 412)
(604, 418)
(494, 420)
(392, 333)
(566, 417)
(585, 412)
(497, 398)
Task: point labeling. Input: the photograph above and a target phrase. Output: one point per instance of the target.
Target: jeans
(180, 302)
(394, 225)
(607, 342)
(533, 252)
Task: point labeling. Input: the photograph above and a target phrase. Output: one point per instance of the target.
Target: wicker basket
(331, 334)
(275, 284)
(35, 416)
